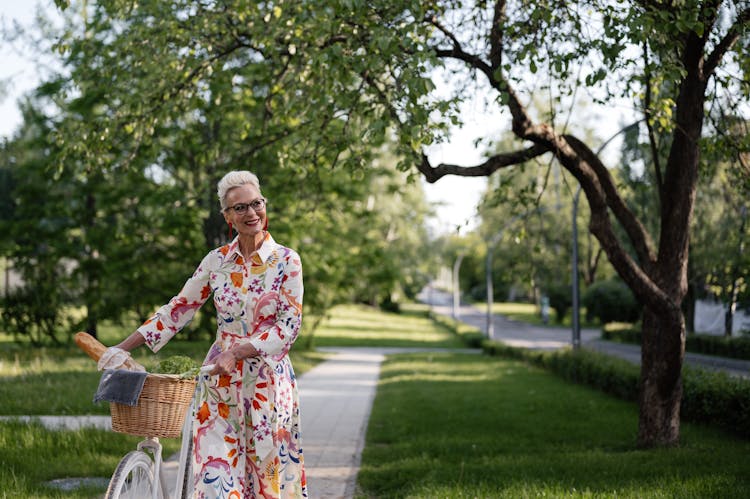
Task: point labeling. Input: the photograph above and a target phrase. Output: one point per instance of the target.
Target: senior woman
(246, 431)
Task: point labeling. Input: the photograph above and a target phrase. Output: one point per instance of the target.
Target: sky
(454, 197)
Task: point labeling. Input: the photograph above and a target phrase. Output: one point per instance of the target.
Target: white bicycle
(140, 474)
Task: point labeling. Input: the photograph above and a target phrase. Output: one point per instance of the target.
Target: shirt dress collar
(264, 252)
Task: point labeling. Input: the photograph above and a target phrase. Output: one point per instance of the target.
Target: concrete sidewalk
(335, 401)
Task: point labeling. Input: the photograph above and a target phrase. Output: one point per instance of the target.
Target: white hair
(235, 179)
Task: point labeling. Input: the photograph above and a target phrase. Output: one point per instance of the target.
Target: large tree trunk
(663, 346)
(661, 380)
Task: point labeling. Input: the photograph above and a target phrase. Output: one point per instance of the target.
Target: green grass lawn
(32, 456)
(66, 379)
(452, 425)
(529, 312)
(359, 325)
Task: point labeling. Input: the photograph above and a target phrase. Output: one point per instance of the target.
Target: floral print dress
(246, 428)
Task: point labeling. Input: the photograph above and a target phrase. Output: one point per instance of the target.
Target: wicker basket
(161, 408)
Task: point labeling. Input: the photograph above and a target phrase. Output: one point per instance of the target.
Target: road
(520, 334)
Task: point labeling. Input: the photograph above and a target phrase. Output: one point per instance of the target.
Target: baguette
(95, 349)
(90, 345)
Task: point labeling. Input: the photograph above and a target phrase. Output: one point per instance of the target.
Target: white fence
(709, 318)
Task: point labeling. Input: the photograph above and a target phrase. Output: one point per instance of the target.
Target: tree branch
(649, 126)
(496, 36)
(637, 234)
(522, 124)
(472, 60)
(726, 43)
(600, 192)
(577, 158)
(434, 173)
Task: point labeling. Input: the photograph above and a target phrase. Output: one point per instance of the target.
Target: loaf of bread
(90, 345)
(95, 349)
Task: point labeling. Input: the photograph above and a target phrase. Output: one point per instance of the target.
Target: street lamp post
(734, 290)
(456, 286)
(576, 308)
(488, 273)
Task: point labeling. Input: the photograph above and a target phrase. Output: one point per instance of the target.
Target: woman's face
(248, 221)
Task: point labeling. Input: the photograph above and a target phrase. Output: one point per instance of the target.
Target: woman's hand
(112, 358)
(117, 358)
(224, 363)
(227, 360)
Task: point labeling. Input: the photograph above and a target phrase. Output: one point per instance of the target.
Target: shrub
(716, 398)
(627, 335)
(610, 301)
(560, 300)
(734, 347)
(34, 313)
(470, 336)
(388, 305)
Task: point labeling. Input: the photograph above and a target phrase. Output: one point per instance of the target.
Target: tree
(91, 237)
(685, 55)
(339, 74)
(673, 71)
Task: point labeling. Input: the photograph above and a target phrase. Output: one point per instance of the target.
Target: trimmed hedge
(735, 347)
(716, 398)
(470, 336)
(610, 374)
(708, 397)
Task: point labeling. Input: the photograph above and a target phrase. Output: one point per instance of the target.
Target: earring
(230, 231)
(265, 225)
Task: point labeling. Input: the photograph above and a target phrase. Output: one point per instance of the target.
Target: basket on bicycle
(161, 408)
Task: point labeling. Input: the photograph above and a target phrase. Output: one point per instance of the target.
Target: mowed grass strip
(360, 325)
(32, 456)
(62, 381)
(450, 425)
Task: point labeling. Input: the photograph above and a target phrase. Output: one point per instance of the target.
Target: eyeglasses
(241, 208)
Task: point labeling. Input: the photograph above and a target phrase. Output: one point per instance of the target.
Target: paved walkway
(336, 397)
(335, 400)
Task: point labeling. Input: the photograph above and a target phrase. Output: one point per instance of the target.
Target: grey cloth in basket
(121, 386)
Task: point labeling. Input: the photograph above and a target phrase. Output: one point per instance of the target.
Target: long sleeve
(273, 340)
(176, 314)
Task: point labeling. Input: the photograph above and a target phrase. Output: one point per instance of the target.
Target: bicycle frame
(154, 446)
(183, 487)
(184, 459)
